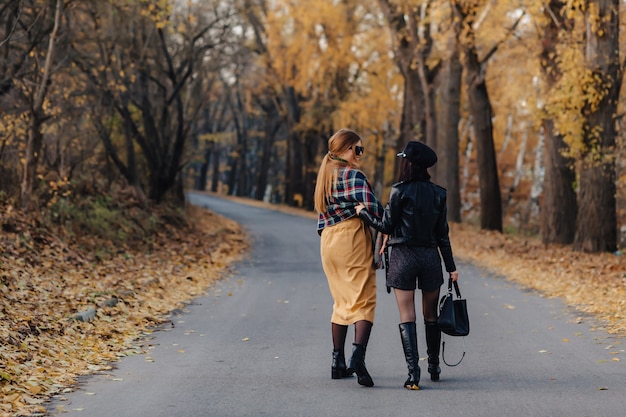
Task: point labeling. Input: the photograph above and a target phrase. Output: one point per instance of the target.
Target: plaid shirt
(351, 189)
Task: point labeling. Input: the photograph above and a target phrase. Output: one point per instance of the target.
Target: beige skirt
(346, 250)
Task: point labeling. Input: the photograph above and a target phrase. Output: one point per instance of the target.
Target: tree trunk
(481, 113)
(596, 229)
(215, 176)
(427, 74)
(272, 124)
(312, 150)
(242, 165)
(480, 109)
(413, 121)
(294, 178)
(449, 116)
(536, 189)
(37, 117)
(204, 168)
(558, 211)
(33, 150)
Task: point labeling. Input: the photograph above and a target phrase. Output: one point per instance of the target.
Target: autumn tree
(480, 108)
(316, 61)
(559, 207)
(142, 74)
(29, 46)
(210, 131)
(596, 224)
(37, 113)
(404, 19)
(448, 119)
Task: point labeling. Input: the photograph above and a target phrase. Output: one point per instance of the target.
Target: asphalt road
(259, 345)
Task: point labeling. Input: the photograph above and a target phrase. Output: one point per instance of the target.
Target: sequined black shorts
(412, 267)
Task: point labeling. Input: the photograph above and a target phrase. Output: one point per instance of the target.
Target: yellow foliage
(336, 57)
(580, 89)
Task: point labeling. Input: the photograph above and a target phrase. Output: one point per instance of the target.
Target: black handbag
(453, 319)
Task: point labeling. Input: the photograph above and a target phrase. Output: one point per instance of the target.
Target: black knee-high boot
(357, 364)
(433, 342)
(408, 334)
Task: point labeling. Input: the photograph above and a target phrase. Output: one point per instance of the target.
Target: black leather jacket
(416, 215)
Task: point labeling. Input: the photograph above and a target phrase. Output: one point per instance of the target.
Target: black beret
(418, 153)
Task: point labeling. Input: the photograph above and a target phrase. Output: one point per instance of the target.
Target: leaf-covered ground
(592, 283)
(66, 312)
(46, 285)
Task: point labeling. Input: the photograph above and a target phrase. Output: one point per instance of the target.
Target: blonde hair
(338, 143)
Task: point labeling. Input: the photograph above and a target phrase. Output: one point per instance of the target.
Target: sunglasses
(358, 150)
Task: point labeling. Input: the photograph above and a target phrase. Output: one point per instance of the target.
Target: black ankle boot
(408, 334)
(357, 364)
(338, 369)
(433, 342)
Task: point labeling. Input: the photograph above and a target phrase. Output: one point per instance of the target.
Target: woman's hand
(359, 207)
(384, 245)
(454, 275)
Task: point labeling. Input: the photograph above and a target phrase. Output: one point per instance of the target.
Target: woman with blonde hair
(346, 250)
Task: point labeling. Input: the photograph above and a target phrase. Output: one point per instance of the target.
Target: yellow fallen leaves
(592, 283)
(44, 282)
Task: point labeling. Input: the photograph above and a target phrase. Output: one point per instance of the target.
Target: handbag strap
(456, 287)
(443, 347)
(443, 353)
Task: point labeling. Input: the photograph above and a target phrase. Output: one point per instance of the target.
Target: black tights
(362, 330)
(406, 305)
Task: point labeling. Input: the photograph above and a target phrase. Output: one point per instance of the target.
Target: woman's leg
(430, 305)
(406, 305)
(339, 336)
(362, 330)
(408, 334)
(430, 301)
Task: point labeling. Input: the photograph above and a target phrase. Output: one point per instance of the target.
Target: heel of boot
(434, 370)
(357, 365)
(434, 376)
(365, 379)
(433, 342)
(338, 368)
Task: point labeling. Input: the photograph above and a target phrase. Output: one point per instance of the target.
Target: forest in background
(146, 98)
